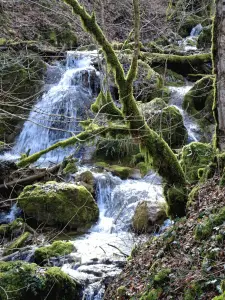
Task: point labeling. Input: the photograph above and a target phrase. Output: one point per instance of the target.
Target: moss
(175, 197)
(192, 196)
(122, 172)
(170, 77)
(23, 281)
(57, 248)
(193, 157)
(87, 179)
(162, 276)
(205, 38)
(121, 292)
(188, 23)
(104, 104)
(205, 229)
(185, 65)
(17, 244)
(59, 204)
(221, 297)
(222, 179)
(69, 166)
(153, 294)
(167, 121)
(199, 100)
(193, 291)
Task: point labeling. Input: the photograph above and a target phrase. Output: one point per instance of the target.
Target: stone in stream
(24, 281)
(147, 215)
(59, 204)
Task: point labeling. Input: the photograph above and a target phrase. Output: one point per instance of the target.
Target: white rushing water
(190, 43)
(99, 253)
(176, 99)
(57, 114)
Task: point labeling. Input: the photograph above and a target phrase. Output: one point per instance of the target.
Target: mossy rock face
(21, 78)
(23, 281)
(148, 214)
(122, 172)
(148, 84)
(194, 157)
(59, 204)
(170, 77)
(166, 121)
(199, 100)
(57, 248)
(205, 38)
(188, 24)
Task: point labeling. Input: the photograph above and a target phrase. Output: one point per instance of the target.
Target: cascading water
(190, 43)
(99, 253)
(176, 99)
(57, 114)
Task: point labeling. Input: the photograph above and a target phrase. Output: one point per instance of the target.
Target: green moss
(185, 65)
(69, 166)
(57, 248)
(23, 281)
(87, 179)
(153, 294)
(59, 204)
(222, 179)
(170, 77)
(199, 100)
(122, 172)
(205, 229)
(193, 291)
(162, 276)
(205, 38)
(121, 292)
(104, 104)
(193, 157)
(192, 196)
(221, 297)
(188, 23)
(17, 244)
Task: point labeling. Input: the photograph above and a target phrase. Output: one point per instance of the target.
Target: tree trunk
(219, 65)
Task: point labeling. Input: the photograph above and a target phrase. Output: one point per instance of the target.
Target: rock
(148, 214)
(24, 281)
(87, 180)
(205, 38)
(166, 121)
(120, 171)
(56, 249)
(195, 156)
(18, 243)
(59, 204)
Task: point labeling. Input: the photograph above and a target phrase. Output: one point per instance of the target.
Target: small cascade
(176, 99)
(9, 217)
(67, 100)
(190, 43)
(101, 253)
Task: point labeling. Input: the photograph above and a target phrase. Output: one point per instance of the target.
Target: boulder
(24, 281)
(166, 121)
(59, 204)
(147, 215)
(56, 249)
(87, 180)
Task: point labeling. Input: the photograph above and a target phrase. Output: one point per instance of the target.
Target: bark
(219, 65)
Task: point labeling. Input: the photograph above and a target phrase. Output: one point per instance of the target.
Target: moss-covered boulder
(199, 100)
(57, 248)
(147, 215)
(170, 77)
(59, 204)
(166, 121)
(195, 156)
(23, 281)
(121, 171)
(205, 38)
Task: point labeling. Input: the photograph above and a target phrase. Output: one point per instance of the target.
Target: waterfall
(176, 99)
(190, 43)
(57, 114)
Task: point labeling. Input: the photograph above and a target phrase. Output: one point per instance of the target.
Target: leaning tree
(156, 151)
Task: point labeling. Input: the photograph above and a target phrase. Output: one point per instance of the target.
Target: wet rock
(59, 204)
(147, 215)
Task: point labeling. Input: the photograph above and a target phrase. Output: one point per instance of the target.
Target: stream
(70, 90)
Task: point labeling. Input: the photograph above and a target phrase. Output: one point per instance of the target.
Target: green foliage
(121, 292)
(17, 243)
(193, 157)
(153, 294)
(193, 292)
(59, 204)
(205, 38)
(23, 281)
(205, 229)
(162, 276)
(57, 248)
